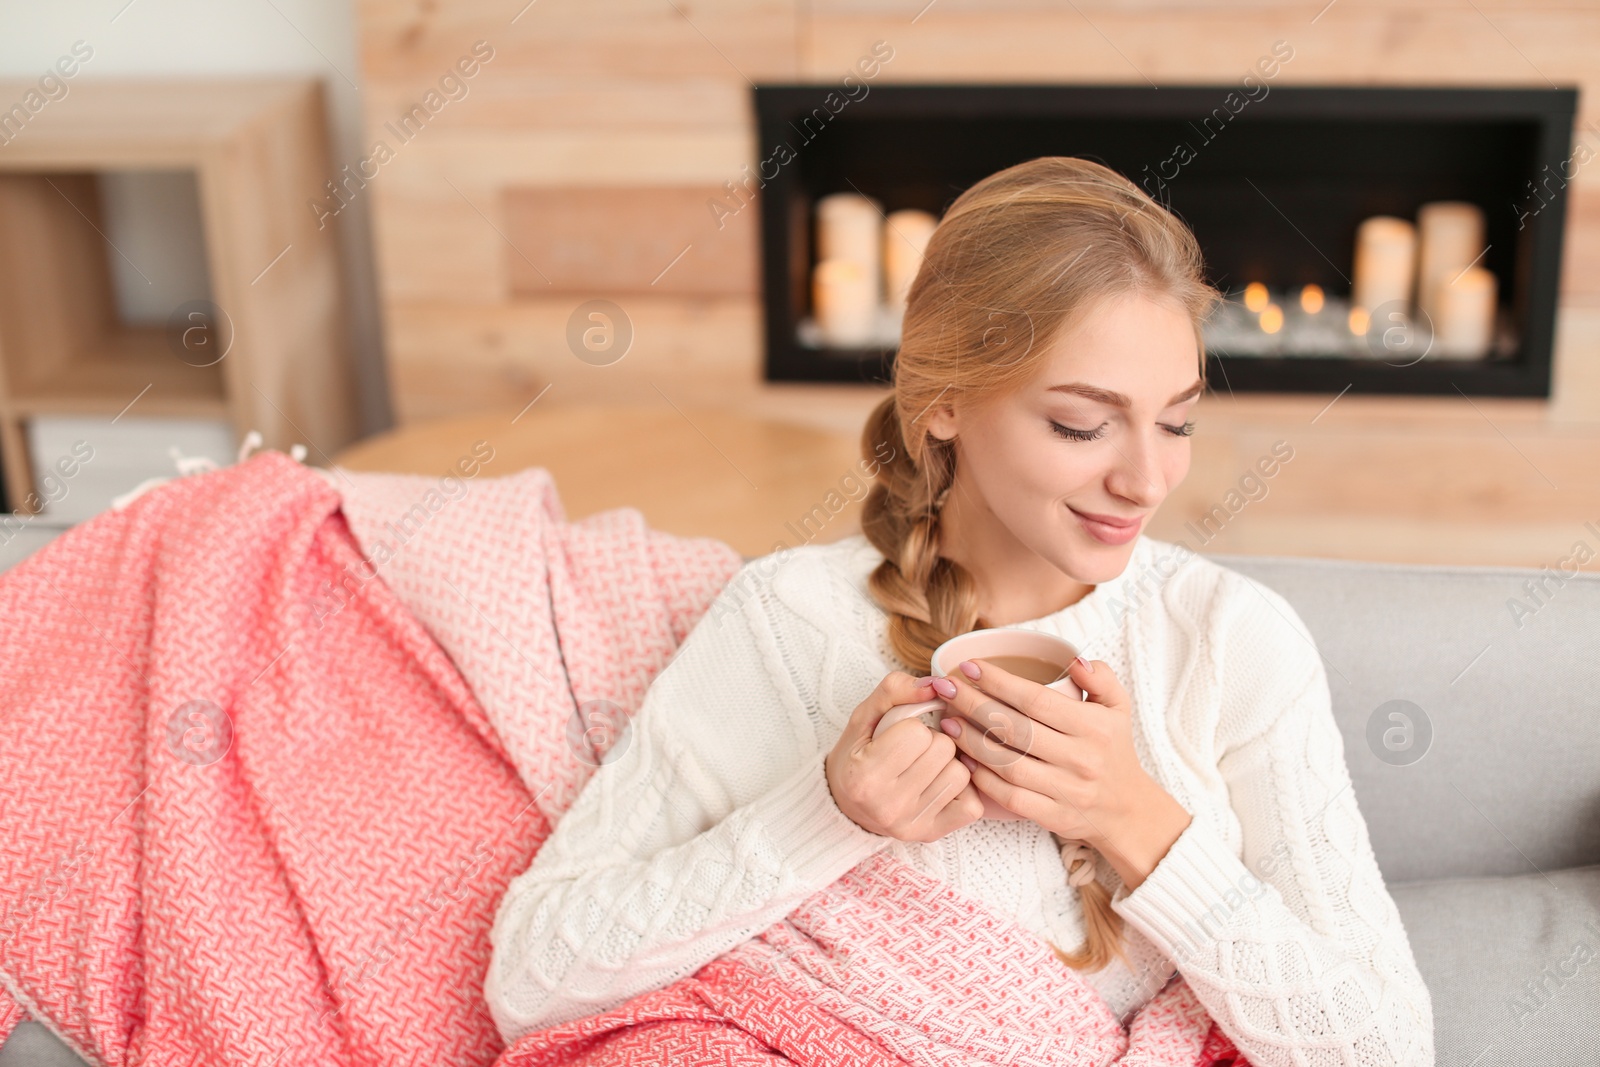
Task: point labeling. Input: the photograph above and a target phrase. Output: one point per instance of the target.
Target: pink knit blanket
(274, 747)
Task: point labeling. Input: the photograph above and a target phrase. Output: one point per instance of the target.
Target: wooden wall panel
(1580, 254)
(1457, 45)
(1153, 8)
(648, 93)
(600, 156)
(638, 239)
(1576, 386)
(451, 358)
(443, 231)
(642, 39)
(509, 100)
(444, 250)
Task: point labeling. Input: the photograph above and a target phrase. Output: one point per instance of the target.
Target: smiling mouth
(1107, 533)
(1108, 520)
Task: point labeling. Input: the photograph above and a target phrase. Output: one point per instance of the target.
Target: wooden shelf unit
(258, 150)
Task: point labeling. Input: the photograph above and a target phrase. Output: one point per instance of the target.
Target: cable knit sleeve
(1296, 949)
(710, 819)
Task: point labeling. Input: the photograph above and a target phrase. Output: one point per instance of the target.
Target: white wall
(157, 214)
(223, 38)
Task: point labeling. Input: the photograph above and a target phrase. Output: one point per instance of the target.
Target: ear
(942, 422)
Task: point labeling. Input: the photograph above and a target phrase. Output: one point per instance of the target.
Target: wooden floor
(1445, 480)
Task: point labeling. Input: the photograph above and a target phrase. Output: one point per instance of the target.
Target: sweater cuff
(803, 821)
(1191, 895)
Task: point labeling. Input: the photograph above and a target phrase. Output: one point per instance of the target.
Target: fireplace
(1276, 190)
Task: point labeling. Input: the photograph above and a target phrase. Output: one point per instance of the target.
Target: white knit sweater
(712, 818)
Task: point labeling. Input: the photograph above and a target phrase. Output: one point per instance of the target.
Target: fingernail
(1086, 664)
(969, 668)
(926, 680)
(944, 687)
(951, 727)
(967, 761)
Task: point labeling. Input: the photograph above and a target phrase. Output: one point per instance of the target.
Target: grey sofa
(1482, 799)
(1484, 807)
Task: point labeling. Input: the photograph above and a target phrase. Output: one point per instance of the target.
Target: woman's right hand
(906, 783)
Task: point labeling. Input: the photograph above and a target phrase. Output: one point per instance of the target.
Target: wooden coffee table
(746, 480)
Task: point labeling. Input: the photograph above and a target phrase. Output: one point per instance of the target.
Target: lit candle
(845, 302)
(1271, 318)
(1255, 296)
(1463, 326)
(1450, 236)
(905, 239)
(1311, 299)
(850, 226)
(1385, 262)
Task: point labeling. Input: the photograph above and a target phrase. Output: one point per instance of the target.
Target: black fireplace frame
(862, 143)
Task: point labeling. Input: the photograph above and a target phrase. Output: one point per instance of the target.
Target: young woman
(1194, 815)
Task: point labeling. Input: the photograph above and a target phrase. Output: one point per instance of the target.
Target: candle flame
(1255, 296)
(1311, 299)
(1271, 318)
(1359, 320)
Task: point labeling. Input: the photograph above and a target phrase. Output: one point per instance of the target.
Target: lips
(1110, 529)
(1111, 520)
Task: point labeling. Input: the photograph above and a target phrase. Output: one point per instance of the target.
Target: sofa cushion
(32, 1044)
(1513, 965)
(1494, 668)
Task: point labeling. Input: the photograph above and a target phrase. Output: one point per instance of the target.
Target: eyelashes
(1099, 431)
(1077, 435)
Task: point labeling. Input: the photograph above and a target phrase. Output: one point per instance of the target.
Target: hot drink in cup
(1030, 654)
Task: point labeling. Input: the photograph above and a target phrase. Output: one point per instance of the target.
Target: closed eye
(1099, 431)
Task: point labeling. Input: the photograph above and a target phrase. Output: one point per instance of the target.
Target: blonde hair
(1016, 259)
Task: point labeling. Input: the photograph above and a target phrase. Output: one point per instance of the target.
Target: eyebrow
(1116, 399)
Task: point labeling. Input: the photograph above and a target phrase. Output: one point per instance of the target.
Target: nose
(1136, 475)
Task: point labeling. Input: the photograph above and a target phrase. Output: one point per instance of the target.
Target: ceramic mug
(993, 643)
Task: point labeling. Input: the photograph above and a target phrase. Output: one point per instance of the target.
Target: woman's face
(1097, 431)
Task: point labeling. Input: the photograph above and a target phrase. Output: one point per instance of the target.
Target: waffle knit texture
(710, 817)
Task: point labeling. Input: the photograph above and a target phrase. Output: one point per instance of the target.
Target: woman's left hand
(1066, 764)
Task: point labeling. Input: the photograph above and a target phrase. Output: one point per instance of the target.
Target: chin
(1104, 564)
(1095, 561)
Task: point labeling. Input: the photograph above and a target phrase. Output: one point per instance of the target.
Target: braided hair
(1017, 258)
